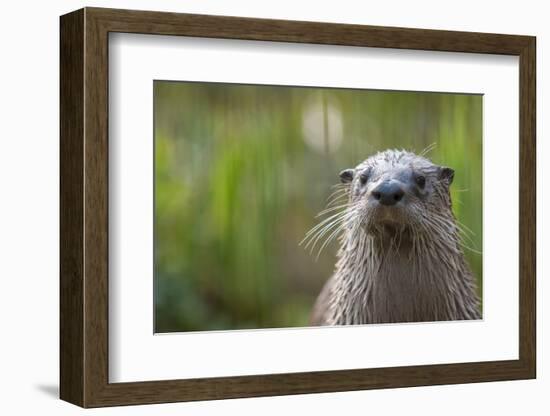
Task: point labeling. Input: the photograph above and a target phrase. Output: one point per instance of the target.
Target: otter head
(395, 191)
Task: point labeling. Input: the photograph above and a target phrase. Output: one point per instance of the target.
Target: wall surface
(29, 209)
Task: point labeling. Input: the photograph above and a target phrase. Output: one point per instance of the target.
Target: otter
(400, 256)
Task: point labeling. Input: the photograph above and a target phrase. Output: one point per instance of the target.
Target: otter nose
(388, 193)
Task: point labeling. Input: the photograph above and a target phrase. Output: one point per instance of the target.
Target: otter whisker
(314, 239)
(342, 195)
(327, 210)
(324, 231)
(338, 222)
(464, 235)
(428, 149)
(458, 226)
(462, 225)
(329, 239)
(339, 200)
(337, 195)
(325, 221)
(473, 250)
(328, 222)
(338, 192)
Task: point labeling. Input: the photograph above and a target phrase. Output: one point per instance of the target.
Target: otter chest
(396, 289)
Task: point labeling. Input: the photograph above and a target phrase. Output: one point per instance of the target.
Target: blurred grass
(241, 171)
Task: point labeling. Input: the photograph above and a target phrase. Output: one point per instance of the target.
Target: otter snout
(388, 193)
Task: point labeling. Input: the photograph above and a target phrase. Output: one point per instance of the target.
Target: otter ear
(446, 174)
(346, 175)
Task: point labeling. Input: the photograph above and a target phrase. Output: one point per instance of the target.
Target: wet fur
(411, 271)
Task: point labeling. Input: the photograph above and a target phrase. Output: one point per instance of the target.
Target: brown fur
(396, 264)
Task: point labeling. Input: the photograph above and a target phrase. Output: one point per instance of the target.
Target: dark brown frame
(84, 207)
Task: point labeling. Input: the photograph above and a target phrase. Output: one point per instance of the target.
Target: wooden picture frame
(84, 207)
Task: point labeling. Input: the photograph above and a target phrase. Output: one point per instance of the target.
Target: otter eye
(420, 181)
(364, 177)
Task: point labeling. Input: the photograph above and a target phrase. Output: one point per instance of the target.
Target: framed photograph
(255, 207)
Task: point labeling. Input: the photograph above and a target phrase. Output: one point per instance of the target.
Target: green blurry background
(242, 170)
